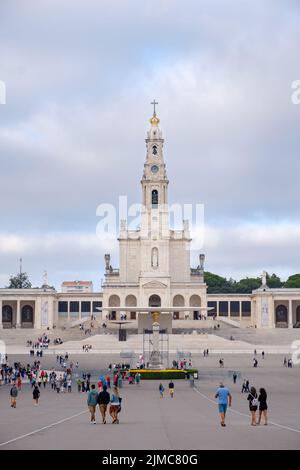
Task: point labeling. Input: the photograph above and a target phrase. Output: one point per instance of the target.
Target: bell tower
(155, 216)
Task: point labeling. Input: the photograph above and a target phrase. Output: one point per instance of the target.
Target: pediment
(155, 285)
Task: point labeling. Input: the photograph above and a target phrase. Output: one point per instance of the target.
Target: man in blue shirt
(224, 399)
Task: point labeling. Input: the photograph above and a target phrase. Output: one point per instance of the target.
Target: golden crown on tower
(154, 120)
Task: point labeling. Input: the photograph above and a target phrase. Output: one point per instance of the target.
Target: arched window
(7, 314)
(298, 314)
(281, 314)
(154, 301)
(27, 314)
(154, 197)
(154, 150)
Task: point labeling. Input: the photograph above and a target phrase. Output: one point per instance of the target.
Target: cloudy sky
(79, 78)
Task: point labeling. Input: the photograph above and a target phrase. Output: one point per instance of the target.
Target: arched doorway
(195, 301)
(114, 301)
(178, 301)
(281, 316)
(7, 316)
(298, 314)
(131, 301)
(27, 316)
(154, 301)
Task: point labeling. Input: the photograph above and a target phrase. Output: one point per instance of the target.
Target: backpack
(254, 401)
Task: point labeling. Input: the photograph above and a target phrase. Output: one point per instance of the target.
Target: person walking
(103, 401)
(115, 405)
(138, 378)
(224, 399)
(13, 396)
(161, 389)
(234, 377)
(92, 400)
(253, 405)
(263, 407)
(36, 395)
(285, 361)
(78, 382)
(171, 389)
(19, 382)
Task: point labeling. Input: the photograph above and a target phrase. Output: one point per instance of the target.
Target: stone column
(18, 319)
(290, 314)
(155, 356)
(229, 313)
(80, 314)
(1, 324)
(218, 310)
(240, 310)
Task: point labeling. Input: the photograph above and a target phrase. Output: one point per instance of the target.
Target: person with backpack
(92, 401)
(161, 389)
(13, 396)
(103, 401)
(171, 389)
(253, 405)
(36, 395)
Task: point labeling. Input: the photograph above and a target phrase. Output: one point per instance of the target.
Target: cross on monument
(154, 103)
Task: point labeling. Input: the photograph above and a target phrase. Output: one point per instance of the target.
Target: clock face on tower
(154, 169)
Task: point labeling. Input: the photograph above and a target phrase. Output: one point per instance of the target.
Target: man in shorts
(224, 399)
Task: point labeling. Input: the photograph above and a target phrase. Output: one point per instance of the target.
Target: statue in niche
(154, 258)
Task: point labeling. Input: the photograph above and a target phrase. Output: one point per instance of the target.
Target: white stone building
(154, 260)
(154, 271)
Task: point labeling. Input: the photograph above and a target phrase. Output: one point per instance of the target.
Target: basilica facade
(154, 266)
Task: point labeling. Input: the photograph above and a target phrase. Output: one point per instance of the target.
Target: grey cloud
(80, 77)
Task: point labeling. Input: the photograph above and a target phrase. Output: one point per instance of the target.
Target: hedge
(164, 374)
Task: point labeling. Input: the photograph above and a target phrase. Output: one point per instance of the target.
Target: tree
(217, 284)
(274, 281)
(20, 281)
(293, 281)
(247, 285)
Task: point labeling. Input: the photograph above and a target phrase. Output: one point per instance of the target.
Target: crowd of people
(103, 399)
(182, 364)
(98, 394)
(257, 403)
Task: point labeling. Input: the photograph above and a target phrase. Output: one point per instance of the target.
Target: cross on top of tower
(154, 103)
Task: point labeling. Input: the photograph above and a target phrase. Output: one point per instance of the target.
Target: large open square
(188, 421)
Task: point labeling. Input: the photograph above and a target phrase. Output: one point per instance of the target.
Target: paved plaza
(189, 421)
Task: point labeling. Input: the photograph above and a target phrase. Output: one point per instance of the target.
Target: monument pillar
(155, 356)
